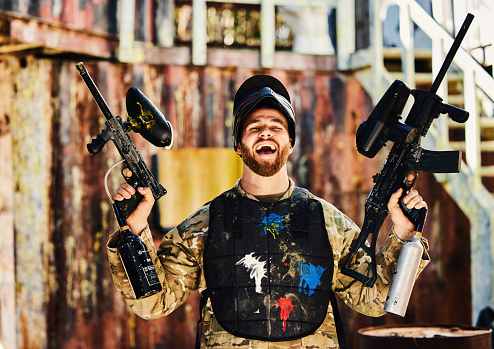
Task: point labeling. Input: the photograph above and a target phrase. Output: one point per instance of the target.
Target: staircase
(469, 86)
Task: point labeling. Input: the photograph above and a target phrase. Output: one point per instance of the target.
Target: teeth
(266, 145)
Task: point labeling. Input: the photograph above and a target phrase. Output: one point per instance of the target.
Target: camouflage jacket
(178, 262)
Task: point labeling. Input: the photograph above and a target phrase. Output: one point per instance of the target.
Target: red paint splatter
(286, 308)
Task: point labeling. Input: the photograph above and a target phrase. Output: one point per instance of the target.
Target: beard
(265, 168)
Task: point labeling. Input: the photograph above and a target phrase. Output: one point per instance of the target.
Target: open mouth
(265, 149)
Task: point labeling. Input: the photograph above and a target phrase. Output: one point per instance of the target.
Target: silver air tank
(406, 271)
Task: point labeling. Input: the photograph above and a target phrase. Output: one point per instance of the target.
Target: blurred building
(336, 58)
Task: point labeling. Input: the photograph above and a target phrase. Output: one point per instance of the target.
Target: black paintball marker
(406, 155)
(144, 118)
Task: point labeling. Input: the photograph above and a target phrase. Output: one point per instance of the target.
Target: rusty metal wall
(94, 15)
(55, 217)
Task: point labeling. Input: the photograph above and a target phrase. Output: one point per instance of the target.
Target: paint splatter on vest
(268, 267)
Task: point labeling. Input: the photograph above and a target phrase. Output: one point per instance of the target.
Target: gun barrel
(81, 68)
(452, 52)
(94, 91)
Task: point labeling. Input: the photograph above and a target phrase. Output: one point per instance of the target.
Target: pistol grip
(406, 211)
(416, 216)
(127, 206)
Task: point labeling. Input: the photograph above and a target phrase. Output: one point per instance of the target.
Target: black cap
(263, 90)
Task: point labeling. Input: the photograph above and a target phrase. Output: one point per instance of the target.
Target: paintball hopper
(146, 119)
(383, 123)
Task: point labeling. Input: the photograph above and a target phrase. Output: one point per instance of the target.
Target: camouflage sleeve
(177, 265)
(342, 234)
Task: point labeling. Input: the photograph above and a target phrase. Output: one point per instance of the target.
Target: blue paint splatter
(310, 277)
(272, 223)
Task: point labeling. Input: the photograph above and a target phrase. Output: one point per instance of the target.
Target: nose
(265, 132)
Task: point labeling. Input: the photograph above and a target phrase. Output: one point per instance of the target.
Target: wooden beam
(31, 32)
(126, 30)
(199, 32)
(268, 33)
(345, 33)
(165, 23)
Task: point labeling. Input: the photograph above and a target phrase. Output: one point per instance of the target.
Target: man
(266, 255)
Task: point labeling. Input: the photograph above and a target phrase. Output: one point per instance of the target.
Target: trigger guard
(123, 171)
(132, 180)
(408, 183)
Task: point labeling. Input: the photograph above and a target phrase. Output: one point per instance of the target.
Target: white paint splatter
(256, 267)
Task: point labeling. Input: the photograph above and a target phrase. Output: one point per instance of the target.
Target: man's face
(265, 142)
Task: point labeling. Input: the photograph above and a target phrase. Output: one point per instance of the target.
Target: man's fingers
(411, 200)
(124, 192)
(411, 176)
(414, 200)
(395, 197)
(146, 192)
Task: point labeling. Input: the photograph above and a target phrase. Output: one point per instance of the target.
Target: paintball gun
(405, 157)
(146, 119)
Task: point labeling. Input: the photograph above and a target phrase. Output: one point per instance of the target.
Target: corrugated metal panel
(31, 143)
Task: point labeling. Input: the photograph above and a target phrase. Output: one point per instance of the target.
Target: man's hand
(402, 225)
(138, 219)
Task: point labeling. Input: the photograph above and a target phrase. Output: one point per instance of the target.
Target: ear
(291, 146)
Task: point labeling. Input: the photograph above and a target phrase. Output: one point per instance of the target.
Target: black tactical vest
(268, 267)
